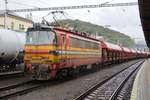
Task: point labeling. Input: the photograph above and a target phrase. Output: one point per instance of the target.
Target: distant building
(15, 22)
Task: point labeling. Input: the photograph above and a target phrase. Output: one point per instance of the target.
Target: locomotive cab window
(41, 37)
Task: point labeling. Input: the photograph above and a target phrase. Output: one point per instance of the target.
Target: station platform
(141, 85)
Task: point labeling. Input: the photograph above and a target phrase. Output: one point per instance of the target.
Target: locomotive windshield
(41, 37)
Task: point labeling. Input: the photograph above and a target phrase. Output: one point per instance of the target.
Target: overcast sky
(122, 19)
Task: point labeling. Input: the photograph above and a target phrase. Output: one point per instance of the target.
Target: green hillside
(108, 34)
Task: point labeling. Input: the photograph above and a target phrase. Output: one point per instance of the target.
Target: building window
(20, 27)
(1, 26)
(23, 27)
(12, 25)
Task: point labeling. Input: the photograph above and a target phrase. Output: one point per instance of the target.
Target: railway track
(20, 88)
(125, 92)
(4, 75)
(109, 88)
(14, 90)
(17, 89)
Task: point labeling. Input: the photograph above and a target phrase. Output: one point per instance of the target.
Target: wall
(19, 24)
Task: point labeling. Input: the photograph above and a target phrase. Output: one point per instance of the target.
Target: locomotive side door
(63, 49)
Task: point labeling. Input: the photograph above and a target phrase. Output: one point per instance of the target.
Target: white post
(5, 15)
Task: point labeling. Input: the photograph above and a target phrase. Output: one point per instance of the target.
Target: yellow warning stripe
(135, 87)
(52, 47)
(148, 72)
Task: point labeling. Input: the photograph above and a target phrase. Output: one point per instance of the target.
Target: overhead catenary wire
(75, 7)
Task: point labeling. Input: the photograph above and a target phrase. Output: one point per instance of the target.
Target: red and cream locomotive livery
(55, 51)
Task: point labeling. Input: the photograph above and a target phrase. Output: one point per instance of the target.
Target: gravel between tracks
(70, 89)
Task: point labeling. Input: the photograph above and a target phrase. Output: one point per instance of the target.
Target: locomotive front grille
(40, 72)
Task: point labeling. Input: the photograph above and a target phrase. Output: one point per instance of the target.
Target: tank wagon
(11, 48)
(56, 52)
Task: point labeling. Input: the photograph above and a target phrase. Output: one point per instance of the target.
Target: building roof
(144, 8)
(11, 14)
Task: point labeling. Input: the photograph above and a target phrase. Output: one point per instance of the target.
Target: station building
(15, 22)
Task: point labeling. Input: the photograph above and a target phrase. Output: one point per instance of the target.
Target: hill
(108, 34)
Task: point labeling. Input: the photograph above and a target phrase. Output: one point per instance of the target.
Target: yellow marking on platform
(136, 87)
(148, 71)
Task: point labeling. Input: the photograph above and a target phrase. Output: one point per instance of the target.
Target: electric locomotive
(52, 51)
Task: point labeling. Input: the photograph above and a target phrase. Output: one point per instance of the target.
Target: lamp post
(5, 15)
